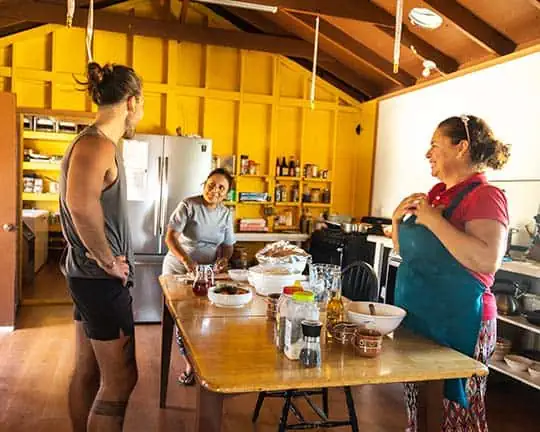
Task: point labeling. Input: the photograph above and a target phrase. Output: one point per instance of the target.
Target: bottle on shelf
(284, 194)
(277, 193)
(284, 168)
(292, 167)
(326, 196)
(278, 168)
(303, 222)
(297, 169)
(295, 193)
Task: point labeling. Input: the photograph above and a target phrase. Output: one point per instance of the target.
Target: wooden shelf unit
(41, 166)
(525, 377)
(48, 136)
(40, 196)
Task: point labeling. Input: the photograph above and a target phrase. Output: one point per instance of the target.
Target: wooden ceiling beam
(347, 76)
(114, 22)
(184, 11)
(334, 34)
(307, 33)
(474, 27)
(351, 9)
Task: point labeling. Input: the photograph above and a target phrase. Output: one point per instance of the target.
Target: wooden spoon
(372, 309)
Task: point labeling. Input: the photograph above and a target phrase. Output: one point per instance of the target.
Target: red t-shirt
(484, 202)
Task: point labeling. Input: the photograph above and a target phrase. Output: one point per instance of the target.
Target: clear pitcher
(320, 280)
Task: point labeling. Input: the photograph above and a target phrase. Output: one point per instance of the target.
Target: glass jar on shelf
(315, 195)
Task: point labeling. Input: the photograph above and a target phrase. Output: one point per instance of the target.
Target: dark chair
(289, 406)
(359, 282)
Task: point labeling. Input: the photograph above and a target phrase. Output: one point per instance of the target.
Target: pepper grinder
(310, 355)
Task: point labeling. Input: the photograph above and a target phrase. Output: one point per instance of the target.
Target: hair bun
(95, 73)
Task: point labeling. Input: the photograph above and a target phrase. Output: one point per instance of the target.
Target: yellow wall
(246, 102)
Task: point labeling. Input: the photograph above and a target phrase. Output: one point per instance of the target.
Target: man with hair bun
(98, 261)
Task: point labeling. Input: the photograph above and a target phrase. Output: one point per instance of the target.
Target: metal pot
(530, 302)
(507, 293)
(347, 227)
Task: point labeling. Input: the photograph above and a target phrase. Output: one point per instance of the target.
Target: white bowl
(229, 300)
(238, 275)
(534, 370)
(517, 362)
(268, 281)
(387, 317)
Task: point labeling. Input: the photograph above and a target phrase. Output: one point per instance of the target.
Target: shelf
(286, 228)
(41, 166)
(251, 176)
(320, 205)
(524, 377)
(40, 197)
(519, 321)
(287, 178)
(229, 203)
(316, 180)
(48, 136)
(254, 202)
(287, 204)
(526, 268)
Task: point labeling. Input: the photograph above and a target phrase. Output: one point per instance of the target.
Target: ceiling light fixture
(425, 18)
(429, 65)
(243, 5)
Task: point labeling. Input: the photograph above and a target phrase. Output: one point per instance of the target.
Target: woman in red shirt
(452, 241)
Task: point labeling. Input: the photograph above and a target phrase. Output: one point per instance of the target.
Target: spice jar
(310, 355)
(315, 195)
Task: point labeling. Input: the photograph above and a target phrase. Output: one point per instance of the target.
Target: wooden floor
(49, 286)
(36, 360)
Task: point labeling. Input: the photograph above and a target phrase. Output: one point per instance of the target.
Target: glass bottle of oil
(335, 310)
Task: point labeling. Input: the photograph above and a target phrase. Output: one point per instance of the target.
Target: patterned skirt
(455, 417)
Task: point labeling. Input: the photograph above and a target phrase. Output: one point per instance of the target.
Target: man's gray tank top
(114, 203)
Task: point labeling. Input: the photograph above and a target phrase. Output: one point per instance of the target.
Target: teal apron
(442, 298)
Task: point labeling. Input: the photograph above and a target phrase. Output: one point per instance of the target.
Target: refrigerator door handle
(165, 192)
(157, 202)
(164, 199)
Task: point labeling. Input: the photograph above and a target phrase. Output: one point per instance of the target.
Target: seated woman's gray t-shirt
(201, 231)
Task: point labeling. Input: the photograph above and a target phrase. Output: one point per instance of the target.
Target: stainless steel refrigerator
(161, 171)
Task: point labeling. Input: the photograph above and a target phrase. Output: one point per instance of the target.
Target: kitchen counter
(271, 237)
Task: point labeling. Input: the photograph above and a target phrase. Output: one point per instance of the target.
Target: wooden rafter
(184, 11)
(340, 8)
(348, 78)
(307, 33)
(120, 23)
(472, 26)
(334, 34)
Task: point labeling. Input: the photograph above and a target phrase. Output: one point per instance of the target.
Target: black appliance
(389, 287)
(325, 245)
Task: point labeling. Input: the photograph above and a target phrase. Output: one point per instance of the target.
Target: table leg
(167, 328)
(209, 410)
(430, 406)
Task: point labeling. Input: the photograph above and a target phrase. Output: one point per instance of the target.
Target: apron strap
(448, 211)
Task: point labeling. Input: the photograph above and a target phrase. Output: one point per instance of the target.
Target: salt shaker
(310, 355)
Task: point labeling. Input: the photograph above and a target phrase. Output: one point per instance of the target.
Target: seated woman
(200, 231)
(452, 241)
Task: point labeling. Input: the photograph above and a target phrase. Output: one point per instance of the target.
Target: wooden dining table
(232, 352)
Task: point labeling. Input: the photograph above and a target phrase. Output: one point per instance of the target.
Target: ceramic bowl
(368, 343)
(271, 281)
(518, 363)
(534, 370)
(229, 300)
(238, 275)
(387, 317)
